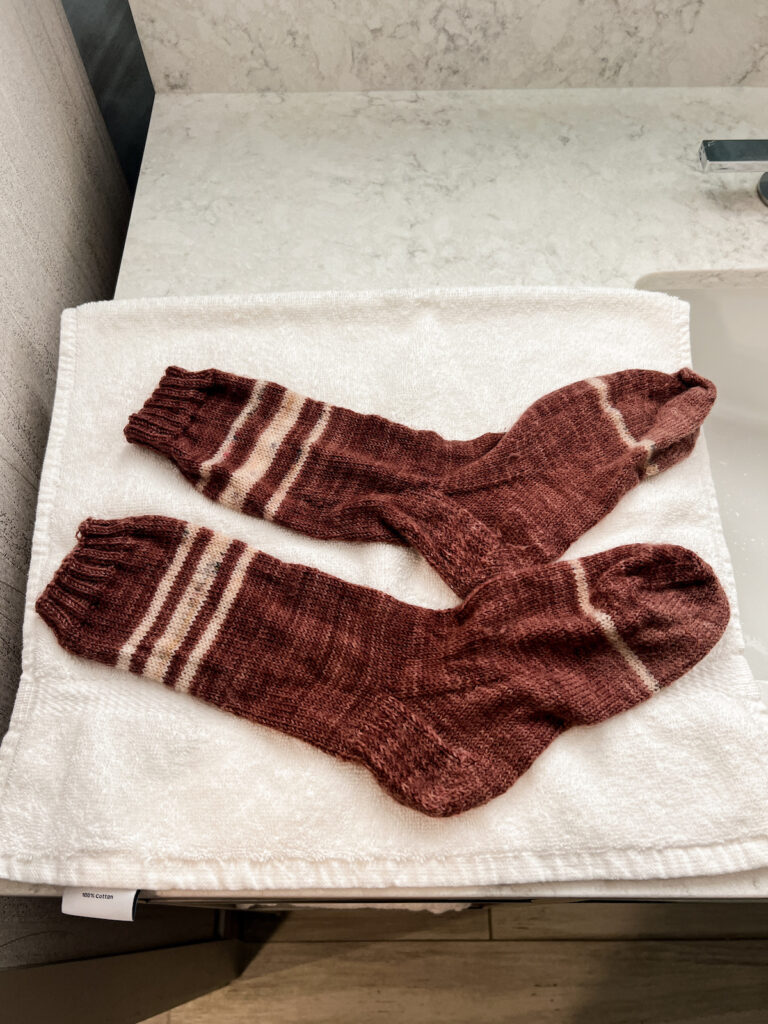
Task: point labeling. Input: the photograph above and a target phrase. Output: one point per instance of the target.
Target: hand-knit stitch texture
(472, 508)
(446, 708)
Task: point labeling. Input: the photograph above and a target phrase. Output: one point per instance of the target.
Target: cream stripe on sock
(243, 416)
(206, 640)
(163, 590)
(264, 452)
(272, 506)
(608, 626)
(617, 419)
(187, 609)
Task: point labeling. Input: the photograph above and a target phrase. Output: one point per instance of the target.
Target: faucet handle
(737, 155)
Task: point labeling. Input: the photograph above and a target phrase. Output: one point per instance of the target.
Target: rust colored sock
(472, 508)
(446, 708)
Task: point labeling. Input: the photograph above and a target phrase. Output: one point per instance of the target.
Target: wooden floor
(586, 963)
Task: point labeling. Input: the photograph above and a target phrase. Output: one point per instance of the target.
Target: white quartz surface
(246, 193)
(270, 192)
(245, 46)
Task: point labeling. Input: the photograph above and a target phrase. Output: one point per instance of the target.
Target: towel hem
(507, 868)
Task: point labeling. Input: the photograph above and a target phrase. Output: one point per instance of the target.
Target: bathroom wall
(63, 216)
(315, 45)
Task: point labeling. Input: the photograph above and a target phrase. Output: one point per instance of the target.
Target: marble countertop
(268, 192)
(272, 192)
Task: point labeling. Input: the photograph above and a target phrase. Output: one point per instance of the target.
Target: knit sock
(472, 508)
(446, 708)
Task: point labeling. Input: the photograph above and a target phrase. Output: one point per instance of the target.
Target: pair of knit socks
(446, 708)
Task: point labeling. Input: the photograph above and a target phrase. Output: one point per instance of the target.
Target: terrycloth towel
(108, 779)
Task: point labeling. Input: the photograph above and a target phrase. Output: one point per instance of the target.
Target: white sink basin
(729, 342)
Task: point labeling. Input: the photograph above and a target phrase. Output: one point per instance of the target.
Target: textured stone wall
(315, 45)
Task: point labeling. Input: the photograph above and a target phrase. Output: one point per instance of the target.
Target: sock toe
(666, 604)
(664, 409)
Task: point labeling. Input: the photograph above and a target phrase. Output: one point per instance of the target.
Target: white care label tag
(109, 904)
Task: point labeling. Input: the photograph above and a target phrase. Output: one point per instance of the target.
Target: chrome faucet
(737, 155)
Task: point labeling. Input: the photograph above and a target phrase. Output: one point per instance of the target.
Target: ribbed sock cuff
(89, 587)
(169, 410)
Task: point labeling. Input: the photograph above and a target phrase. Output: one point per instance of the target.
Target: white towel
(109, 779)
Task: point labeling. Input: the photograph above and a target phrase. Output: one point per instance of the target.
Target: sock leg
(267, 451)
(282, 645)
(446, 709)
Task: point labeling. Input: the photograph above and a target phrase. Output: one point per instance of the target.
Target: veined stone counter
(303, 191)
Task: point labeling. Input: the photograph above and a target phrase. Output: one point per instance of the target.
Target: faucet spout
(734, 155)
(737, 155)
